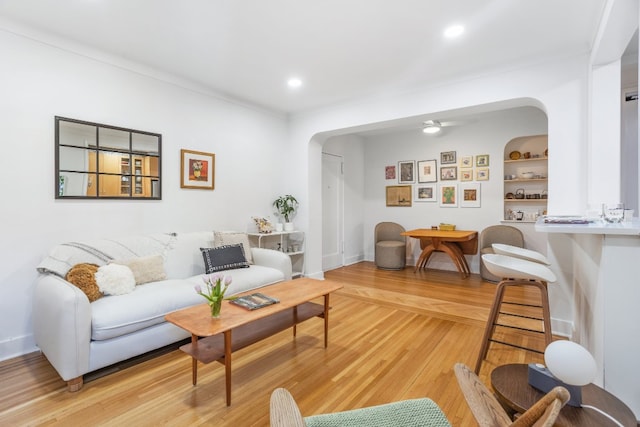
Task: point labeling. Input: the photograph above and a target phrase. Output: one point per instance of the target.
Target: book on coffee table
(254, 301)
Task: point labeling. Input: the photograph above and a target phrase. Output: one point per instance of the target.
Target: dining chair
(390, 246)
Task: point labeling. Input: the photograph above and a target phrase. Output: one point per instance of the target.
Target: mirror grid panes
(107, 162)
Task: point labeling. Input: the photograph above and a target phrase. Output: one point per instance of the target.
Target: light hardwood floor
(393, 335)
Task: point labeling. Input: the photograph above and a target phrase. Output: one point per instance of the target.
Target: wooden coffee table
(237, 327)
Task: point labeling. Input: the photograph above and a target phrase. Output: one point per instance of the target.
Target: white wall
(38, 82)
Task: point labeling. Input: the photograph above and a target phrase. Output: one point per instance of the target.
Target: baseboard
(17, 347)
(563, 328)
(354, 259)
(318, 275)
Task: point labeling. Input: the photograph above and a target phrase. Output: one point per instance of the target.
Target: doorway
(332, 211)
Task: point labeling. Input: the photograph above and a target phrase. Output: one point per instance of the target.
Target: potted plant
(286, 207)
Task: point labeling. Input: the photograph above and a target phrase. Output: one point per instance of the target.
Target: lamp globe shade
(570, 362)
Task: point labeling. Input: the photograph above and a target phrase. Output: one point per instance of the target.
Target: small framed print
(466, 161)
(482, 160)
(406, 172)
(448, 158)
(470, 195)
(197, 169)
(482, 174)
(466, 174)
(398, 195)
(427, 171)
(390, 172)
(448, 195)
(425, 193)
(449, 173)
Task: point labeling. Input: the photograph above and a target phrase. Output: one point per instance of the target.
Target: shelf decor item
(215, 287)
(286, 207)
(263, 224)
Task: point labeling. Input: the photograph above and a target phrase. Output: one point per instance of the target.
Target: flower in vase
(215, 287)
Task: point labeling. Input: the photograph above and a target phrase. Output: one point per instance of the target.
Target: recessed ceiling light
(294, 83)
(453, 31)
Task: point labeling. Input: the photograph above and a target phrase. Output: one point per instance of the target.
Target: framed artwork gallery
(197, 169)
(448, 173)
(398, 195)
(425, 193)
(448, 195)
(427, 171)
(406, 172)
(448, 158)
(470, 195)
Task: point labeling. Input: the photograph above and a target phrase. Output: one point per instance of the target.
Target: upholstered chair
(497, 234)
(390, 246)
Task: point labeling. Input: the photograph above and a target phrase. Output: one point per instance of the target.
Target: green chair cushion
(406, 413)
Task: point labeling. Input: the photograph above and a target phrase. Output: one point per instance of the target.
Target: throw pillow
(83, 277)
(145, 269)
(223, 238)
(115, 279)
(226, 257)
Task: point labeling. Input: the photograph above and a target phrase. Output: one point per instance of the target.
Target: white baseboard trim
(563, 328)
(17, 347)
(317, 275)
(354, 260)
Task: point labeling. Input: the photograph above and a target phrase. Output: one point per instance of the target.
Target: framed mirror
(96, 161)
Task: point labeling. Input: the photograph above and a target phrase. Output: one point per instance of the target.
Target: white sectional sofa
(78, 337)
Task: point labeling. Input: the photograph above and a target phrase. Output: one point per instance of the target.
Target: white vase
(288, 226)
(279, 226)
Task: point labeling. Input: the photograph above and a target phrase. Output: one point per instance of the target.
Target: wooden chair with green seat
(489, 413)
(422, 412)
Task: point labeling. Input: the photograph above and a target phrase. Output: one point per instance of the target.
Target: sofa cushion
(83, 276)
(226, 257)
(145, 269)
(113, 316)
(115, 279)
(146, 306)
(185, 259)
(223, 238)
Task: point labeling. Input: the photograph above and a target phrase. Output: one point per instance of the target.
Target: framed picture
(406, 172)
(448, 195)
(197, 169)
(449, 173)
(389, 172)
(466, 174)
(482, 160)
(466, 161)
(399, 195)
(470, 195)
(448, 157)
(427, 171)
(482, 174)
(425, 193)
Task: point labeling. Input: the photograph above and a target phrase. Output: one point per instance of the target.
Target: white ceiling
(341, 49)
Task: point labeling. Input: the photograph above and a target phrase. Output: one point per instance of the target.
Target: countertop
(596, 226)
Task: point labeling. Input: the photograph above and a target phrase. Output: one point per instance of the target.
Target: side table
(511, 385)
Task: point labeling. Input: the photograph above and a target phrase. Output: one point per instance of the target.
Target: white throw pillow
(145, 269)
(115, 279)
(225, 238)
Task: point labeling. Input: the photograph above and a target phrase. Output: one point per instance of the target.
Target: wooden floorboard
(393, 335)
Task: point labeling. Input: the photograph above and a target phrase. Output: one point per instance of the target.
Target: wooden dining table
(455, 243)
